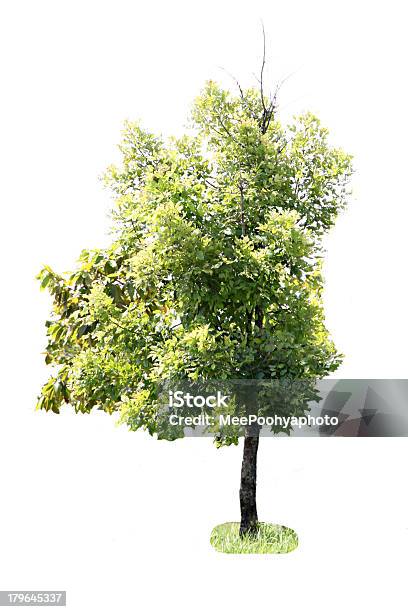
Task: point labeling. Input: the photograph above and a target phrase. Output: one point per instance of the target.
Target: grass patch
(269, 539)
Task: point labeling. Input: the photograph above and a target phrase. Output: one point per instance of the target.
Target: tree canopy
(214, 271)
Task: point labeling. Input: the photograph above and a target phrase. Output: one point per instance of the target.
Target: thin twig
(263, 67)
(241, 91)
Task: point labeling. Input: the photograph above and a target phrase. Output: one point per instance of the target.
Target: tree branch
(262, 69)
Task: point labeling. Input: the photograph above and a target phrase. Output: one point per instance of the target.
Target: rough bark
(247, 492)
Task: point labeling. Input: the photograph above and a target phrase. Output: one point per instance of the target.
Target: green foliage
(214, 272)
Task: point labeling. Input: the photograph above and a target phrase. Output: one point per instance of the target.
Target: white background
(119, 520)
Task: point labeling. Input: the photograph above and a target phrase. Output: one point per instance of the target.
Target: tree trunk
(247, 492)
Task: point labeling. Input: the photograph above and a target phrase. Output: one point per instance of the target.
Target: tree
(214, 271)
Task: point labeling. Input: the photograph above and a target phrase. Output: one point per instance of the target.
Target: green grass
(269, 539)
